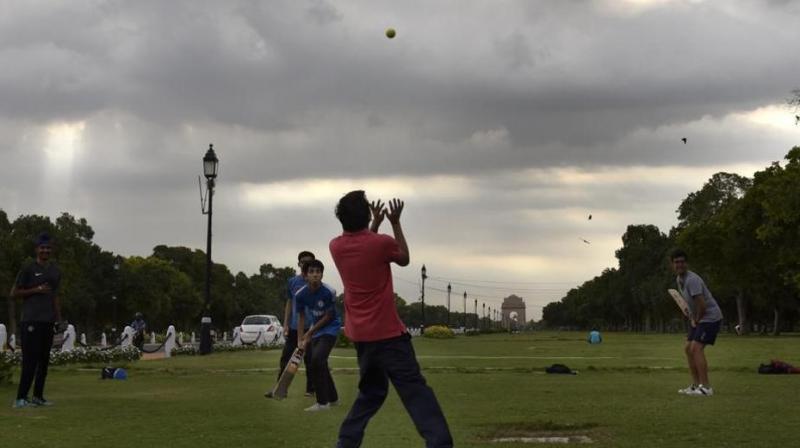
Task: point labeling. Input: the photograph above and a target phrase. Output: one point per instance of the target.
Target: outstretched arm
(395, 210)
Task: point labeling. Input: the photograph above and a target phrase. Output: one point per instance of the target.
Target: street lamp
(465, 311)
(449, 288)
(117, 265)
(476, 313)
(210, 168)
(483, 320)
(424, 276)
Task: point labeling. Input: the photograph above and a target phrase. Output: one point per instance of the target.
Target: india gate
(513, 311)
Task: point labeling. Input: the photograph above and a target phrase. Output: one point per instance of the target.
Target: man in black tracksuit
(37, 285)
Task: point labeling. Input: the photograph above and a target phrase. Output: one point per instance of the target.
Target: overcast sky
(503, 124)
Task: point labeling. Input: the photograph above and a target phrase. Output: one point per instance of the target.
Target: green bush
(85, 355)
(219, 347)
(439, 332)
(5, 367)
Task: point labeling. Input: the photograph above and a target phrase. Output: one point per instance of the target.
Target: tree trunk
(776, 322)
(741, 310)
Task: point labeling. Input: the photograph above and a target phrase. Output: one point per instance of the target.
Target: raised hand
(395, 210)
(377, 209)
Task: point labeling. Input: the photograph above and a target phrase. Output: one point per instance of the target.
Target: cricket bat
(281, 389)
(678, 298)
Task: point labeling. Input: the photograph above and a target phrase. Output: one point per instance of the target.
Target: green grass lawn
(625, 396)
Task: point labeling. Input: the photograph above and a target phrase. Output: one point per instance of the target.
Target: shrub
(5, 367)
(219, 347)
(86, 355)
(438, 332)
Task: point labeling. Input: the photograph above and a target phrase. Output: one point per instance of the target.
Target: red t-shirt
(363, 260)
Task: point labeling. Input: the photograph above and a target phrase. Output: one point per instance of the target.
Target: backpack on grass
(560, 369)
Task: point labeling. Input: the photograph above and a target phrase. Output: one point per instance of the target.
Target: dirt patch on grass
(540, 432)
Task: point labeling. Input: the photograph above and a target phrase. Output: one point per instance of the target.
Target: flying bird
(684, 140)
(796, 119)
(585, 241)
(590, 217)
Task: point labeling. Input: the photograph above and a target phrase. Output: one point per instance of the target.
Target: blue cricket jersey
(318, 303)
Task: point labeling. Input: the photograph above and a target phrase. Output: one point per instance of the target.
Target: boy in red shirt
(363, 258)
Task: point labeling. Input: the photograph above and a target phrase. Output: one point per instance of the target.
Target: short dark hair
(678, 253)
(313, 264)
(305, 254)
(353, 211)
(43, 239)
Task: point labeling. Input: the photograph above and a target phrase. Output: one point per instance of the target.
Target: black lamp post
(483, 320)
(117, 266)
(449, 288)
(424, 276)
(465, 311)
(210, 168)
(476, 313)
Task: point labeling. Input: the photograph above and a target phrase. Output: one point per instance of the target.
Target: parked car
(256, 324)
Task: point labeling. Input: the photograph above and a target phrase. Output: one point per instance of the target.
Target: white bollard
(83, 339)
(193, 338)
(169, 343)
(180, 338)
(224, 336)
(3, 337)
(152, 337)
(69, 339)
(12, 342)
(103, 340)
(127, 337)
(237, 336)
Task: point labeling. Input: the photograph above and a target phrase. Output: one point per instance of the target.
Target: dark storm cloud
(307, 89)
(567, 82)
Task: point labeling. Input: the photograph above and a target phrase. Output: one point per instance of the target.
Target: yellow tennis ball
(390, 33)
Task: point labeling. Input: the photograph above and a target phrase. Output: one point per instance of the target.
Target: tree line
(742, 236)
(101, 290)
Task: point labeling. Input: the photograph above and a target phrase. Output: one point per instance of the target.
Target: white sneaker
(316, 407)
(702, 391)
(687, 390)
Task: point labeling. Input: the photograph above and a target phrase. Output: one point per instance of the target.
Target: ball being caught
(390, 33)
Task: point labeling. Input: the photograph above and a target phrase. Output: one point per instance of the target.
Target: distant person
(705, 320)
(595, 337)
(139, 328)
(37, 284)
(290, 321)
(383, 345)
(318, 300)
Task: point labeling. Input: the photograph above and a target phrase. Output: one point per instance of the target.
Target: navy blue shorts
(704, 332)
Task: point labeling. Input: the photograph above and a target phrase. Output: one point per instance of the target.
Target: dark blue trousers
(393, 360)
(37, 339)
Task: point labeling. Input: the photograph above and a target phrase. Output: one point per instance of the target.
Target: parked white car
(258, 324)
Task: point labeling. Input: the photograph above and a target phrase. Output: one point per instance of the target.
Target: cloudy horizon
(502, 124)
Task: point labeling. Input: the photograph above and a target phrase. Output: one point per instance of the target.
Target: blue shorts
(705, 332)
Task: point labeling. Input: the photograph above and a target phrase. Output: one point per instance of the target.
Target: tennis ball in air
(390, 33)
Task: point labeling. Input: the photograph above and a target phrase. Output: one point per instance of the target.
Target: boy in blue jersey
(319, 300)
(290, 321)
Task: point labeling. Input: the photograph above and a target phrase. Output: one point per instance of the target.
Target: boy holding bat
(705, 319)
(319, 302)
